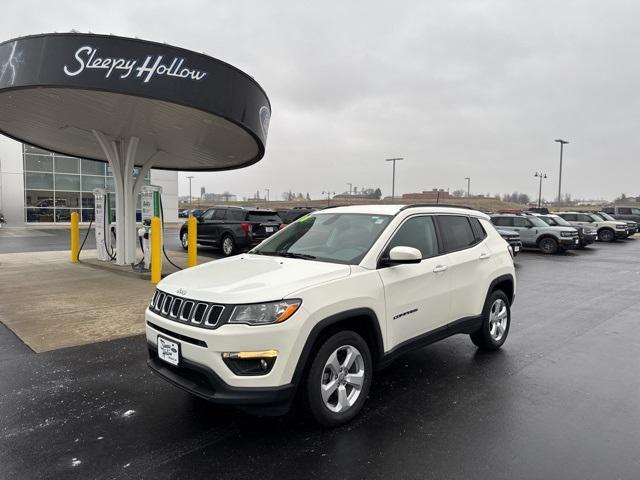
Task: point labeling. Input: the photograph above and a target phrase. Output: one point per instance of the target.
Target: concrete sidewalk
(51, 303)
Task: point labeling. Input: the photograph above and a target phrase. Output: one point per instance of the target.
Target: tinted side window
(208, 215)
(502, 221)
(235, 215)
(456, 232)
(622, 211)
(569, 217)
(611, 210)
(219, 214)
(584, 218)
(521, 222)
(417, 232)
(478, 229)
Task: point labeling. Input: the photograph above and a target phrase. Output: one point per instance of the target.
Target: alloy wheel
(498, 319)
(227, 246)
(342, 379)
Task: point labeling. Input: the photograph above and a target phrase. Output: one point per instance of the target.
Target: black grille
(185, 310)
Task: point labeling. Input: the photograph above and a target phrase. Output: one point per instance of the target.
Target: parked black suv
(290, 215)
(232, 229)
(512, 238)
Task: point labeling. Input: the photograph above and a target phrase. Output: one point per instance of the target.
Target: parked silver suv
(535, 233)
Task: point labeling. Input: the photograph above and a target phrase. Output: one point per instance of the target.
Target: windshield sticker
(305, 218)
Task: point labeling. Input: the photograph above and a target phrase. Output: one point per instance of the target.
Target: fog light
(250, 363)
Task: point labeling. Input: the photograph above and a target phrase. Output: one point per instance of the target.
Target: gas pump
(150, 202)
(103, 235)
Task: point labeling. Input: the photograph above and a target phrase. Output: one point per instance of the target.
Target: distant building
(219, 197)
(431, 195)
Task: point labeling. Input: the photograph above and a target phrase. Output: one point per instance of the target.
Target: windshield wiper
(305, 256)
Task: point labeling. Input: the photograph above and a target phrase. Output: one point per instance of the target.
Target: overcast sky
(458, 88)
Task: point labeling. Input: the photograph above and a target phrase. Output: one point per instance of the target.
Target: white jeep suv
(320, 305)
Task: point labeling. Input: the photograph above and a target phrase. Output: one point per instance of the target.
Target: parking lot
(559, 400)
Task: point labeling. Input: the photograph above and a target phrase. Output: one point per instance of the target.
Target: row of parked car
(559, 231)
(232, 229)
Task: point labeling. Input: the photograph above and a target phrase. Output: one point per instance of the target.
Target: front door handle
(484, 255)
(439, 268)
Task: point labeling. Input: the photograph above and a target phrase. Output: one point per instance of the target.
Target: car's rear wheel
(228, 246)
(606, 235)
(548, 245)
(496, 320)
(339, 379)
(184, 240)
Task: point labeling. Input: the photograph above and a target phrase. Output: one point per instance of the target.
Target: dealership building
(41, 187)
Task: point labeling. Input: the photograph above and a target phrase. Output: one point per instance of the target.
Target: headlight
(621, 227)
(567, 234)
(264, 313)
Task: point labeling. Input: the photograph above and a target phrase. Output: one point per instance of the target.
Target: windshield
(329, 237)
(606, 216)
(556, 221)
(597, 218)
(537, 222)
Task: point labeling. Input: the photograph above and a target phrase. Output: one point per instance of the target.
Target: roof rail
(446, 205)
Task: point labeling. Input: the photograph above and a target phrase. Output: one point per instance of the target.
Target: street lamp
(393, 181)
(541, 176)
(468, 179)
(562, 144)
(190, 198)
(328, 194)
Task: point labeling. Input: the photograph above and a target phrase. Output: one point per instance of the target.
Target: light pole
(350, 189)
(267, 190)
(190, 198)
(562, 144)
(541, 176)
(393, 181)
(468, 179)
(328, 194)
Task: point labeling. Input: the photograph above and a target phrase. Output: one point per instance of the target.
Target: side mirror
(402, 255)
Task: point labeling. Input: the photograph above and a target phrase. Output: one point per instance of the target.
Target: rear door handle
(439, 268)
(484, 255)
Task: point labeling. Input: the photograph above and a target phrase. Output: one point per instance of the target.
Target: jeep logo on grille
(181, 291)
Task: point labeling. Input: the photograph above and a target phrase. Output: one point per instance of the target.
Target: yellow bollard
(75, 237)
(192, 245)
(156, 250)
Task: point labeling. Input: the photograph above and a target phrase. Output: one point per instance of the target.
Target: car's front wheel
(496, 320)
(548, 245)
(339, 379)
(606, 235)
(184, 240)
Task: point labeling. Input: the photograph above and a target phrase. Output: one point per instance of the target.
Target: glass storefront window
(88, 200)
(67, 182)
(38, 163)
(67, 165)
(39, 181)
(38, 198)
(31, 149)
(88, 215)
(90, 182)
(91, 167)
(39, 215)
(67, 199)
(110, 185)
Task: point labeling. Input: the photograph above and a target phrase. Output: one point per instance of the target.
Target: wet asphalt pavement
(560, 400)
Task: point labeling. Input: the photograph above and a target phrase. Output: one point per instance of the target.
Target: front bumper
(203, 382)
(516, 246)
(569, 243)
(622, 234)
(587, 239)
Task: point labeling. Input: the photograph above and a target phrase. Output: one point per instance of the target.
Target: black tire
(184, 240)
(318, 374)
(548, 245)
(607, 235)
(483, 337)
(231, 249)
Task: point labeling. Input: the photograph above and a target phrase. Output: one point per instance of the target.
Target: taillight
(246, 227)
(282, 225)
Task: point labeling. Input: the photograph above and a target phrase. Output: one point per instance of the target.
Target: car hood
(250, 278)
(558, 228)
(508, 233)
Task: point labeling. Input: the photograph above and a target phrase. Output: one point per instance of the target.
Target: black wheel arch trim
(502, 278)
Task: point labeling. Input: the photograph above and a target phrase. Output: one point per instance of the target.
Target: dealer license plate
(268, 229)
(168, 351)
(576, 241)
(516, 248)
